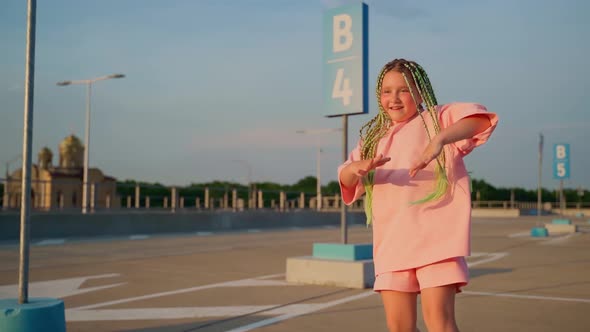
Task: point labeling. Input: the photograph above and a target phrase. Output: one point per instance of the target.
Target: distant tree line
(481, 190)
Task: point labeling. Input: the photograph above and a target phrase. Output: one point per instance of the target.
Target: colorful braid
(372, 132)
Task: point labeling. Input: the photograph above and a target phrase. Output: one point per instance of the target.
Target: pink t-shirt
(409, 235)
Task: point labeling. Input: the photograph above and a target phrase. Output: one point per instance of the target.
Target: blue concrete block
(349, 252)
(539, 232)
(40, 314)
(561, 221)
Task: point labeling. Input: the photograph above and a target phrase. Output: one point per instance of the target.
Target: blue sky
(209, 82)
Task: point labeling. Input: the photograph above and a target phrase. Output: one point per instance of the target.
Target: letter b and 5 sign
(346, 60)
(561, 161)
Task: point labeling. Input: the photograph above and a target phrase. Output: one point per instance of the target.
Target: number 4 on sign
(342, 88)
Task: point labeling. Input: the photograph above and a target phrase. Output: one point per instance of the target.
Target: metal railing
(66, 195)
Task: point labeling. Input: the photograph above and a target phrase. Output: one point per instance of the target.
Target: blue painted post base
(561, 222)
(347, 252)
(40, 314)
(539, 232)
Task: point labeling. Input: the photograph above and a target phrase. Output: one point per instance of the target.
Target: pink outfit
(405, 235)
(448, 272)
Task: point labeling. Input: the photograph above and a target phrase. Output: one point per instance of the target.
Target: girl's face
(396, 98)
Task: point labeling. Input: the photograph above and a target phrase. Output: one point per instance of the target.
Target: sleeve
(350, 195)
(452, 113)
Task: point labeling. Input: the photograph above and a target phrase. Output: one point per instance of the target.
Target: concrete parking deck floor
(235, 282)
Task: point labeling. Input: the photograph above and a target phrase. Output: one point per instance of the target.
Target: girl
(409, 163)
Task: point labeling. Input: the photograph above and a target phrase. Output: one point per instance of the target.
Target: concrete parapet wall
(506, 213)
(62, 225)
(67, 225)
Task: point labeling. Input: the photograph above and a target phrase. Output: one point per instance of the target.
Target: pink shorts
(447, 272)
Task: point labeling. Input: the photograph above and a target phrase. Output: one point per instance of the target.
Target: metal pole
(539, 203)
(561, 200)
(343, 207)
(5, 193)
(318, 177)
(86, 150)
(23, 280)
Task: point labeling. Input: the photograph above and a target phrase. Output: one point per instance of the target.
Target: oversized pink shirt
(409, 235)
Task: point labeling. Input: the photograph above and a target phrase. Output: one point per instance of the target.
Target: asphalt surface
(235, 281)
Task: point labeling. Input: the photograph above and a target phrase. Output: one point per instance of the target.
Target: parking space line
(298, 310)
(51, 242)
(172, 292)
(529, 297)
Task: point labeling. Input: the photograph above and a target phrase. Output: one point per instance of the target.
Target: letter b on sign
(342, 35)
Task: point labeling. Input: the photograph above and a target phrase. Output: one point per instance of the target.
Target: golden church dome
(71, 152)
(45, 158)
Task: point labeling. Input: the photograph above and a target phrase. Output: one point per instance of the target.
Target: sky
(217, 89)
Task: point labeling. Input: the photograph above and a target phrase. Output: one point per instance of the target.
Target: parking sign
(561, 161)
(346, 60)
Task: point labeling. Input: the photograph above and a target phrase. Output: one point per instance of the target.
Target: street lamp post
(87, 133)
(318, 160)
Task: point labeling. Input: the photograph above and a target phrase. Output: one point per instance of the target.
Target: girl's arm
(462, 129)
(351, 174)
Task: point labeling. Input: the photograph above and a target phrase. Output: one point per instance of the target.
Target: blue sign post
(346, 40)
(561, 168)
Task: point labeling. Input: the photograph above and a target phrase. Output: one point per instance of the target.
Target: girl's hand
(363, 167)
(432, 151)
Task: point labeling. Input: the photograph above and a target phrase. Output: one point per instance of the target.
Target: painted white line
(298, 310)
(530, 297)
(75, 315)
(253, 231)
(139, 237)
(520, 234)
(173, 292)
(271, 276)
(342, 59)
(51, 242)
(258, 283)
(59, 288)
(204, 233)
(560, 239)
(491, 257)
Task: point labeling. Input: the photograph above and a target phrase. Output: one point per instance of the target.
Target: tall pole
(318, 177)
(318, 160)
(5, 193)
(539, 203)
(87, 134)
(23, 280)
(343, 207)
(86, 150)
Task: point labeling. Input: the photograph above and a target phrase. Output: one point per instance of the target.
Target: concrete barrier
(556, 229)
(499, 213)
(46, 225)
(68, 225)
(330, 272)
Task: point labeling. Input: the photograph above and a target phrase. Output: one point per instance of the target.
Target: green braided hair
(377, 127)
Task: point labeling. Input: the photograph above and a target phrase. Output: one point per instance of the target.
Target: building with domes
(60, 186)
